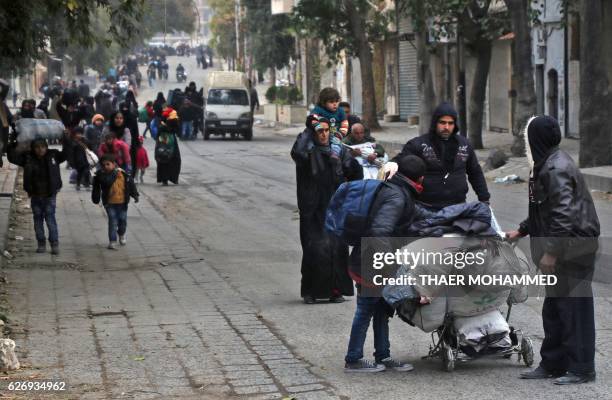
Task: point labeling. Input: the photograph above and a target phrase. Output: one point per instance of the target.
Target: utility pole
(461, 89)
(199, 29)
(237, 19)
(165, 17)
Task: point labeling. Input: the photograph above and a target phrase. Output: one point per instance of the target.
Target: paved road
(203, 302)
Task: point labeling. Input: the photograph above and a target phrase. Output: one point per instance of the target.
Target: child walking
(142, 160)
(115, 187)
(79, 156)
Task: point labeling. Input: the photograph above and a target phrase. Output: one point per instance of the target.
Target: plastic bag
(92, 158)
(29, 129)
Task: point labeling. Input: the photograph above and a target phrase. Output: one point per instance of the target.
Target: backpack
(143, 115)
(347, 214)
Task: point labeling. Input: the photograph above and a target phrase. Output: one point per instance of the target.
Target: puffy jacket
(562, 218)
(448, 164)
(28, 161)
(392, 211)
(120, 150)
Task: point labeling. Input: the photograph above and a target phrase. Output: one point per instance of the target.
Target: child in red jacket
(142, 160)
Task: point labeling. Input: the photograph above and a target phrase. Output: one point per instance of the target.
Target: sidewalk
(394, 135)
(150, 320)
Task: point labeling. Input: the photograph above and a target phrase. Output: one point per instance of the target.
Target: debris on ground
(497, 158)
(8, 359)
(509, 179)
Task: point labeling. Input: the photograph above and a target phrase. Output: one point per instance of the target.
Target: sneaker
(41, 248)
(122, 240)
(364, 366)
(55, 249)
(337, 299)
(309, 300)
(112, 246)
(390, 363)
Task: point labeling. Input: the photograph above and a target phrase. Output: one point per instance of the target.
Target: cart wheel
(448, 358)
(527, 351)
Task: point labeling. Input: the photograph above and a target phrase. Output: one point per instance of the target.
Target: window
(228, 97)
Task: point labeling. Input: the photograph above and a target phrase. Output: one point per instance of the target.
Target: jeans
(43, 209)
(117, 220)
(186, 127)
(151, 80)
(368, 308)
(148, 128)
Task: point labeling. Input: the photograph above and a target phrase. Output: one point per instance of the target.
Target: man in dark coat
(449, 158)
(564, 230)
(325, 257)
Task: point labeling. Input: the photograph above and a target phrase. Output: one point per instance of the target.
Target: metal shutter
(408, 87)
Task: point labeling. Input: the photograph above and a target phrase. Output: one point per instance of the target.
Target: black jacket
(448, 164)
(391, 214)
(33, 170)
(562, 218)
(102, 185)
(319, 176)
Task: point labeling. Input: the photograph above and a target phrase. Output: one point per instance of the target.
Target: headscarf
(118, 131)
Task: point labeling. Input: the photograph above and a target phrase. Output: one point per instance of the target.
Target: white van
(228, 105)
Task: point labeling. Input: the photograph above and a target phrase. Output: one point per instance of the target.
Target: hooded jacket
(448, 163)
(562, 219)
(47, 169)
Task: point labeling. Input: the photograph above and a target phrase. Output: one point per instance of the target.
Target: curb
(8, 182)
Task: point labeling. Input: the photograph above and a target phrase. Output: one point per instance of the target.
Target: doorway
(553, 94)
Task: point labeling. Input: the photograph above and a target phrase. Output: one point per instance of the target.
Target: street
(203, 302)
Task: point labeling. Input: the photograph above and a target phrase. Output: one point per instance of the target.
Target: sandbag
(29, 129)
(430, 316)
(477, 302)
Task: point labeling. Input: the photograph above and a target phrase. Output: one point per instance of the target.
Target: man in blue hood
(449, 159)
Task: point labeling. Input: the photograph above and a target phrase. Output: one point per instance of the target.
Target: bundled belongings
(29, 129)
(460, 275)
(488, 330)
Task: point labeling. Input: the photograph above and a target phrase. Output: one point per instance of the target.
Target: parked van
(228, 105)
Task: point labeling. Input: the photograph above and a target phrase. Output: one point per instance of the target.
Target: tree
(272, 42)
(26, 26)
(522, 71)
(348, 26)
(595, 94)
(223, 29)
(476, 27)
(176, 15)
